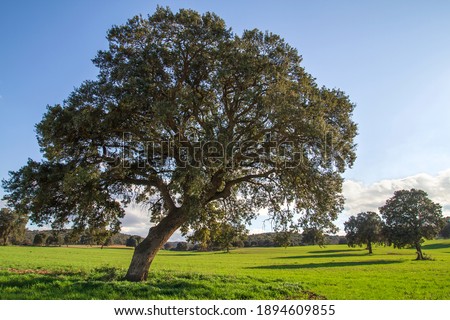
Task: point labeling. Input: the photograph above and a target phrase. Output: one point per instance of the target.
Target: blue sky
(391, 57)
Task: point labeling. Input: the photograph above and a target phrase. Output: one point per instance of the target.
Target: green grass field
(333, 272)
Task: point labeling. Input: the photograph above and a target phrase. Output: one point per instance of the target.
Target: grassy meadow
(310, 272)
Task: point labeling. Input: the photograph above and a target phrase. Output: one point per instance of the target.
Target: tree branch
(158, 183)
(226, 192)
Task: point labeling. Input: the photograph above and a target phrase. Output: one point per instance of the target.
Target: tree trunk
(145, 252)
(419, 252)
(369, 247)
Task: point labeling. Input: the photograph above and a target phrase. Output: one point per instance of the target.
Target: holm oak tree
(186, 114)
(364, 229)
(411, 216)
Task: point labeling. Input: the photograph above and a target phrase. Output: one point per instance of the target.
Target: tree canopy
(411, 216)
(185, 113)
(12, 225)
(364, 229)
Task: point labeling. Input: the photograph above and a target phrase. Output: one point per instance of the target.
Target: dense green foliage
(222, 229)
(190, 118)
(68, 237)
(133, 241)
(39, 239)
(410, 216)
(333, 272)
(445, 232)
(364, 229)
(12, 226)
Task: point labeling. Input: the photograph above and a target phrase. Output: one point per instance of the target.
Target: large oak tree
(186, 114)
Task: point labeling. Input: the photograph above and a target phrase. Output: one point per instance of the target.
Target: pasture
(310, 272)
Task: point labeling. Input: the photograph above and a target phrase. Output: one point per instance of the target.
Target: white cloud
(137, 222)
(257, 231)
(361, 197)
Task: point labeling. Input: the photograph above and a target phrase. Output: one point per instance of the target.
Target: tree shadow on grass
(436, 246)
(22, 281)
(335, 255)
(43, 287)
(327, 264)
(336, 251)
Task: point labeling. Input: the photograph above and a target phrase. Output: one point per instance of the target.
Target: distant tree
(445, 232)
(87, 239)
(107, 242)
(169, 246)
(283, 239)
(50, 240)
(226, 235)
(238, 243)
(55, 238)
(201, 237)
(364, 229)
(222, 225)
(410, 216)
(71, 237)
(181, 246)
(67, 240)
(132, 242)
(101, 235)
(12, 225)
(39, 239)
(311, 236)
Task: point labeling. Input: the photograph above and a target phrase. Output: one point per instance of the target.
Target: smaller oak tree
(411, 216)
(445, 232)
(364, 229)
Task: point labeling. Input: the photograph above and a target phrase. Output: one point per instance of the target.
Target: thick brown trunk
(369, 246)
(146, 251)
(419, 252)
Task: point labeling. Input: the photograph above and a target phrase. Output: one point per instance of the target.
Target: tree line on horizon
(404, 221)
(22, 236)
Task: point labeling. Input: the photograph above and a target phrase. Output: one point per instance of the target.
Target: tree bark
(419, 252)
(369, 246)
(145, 252)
